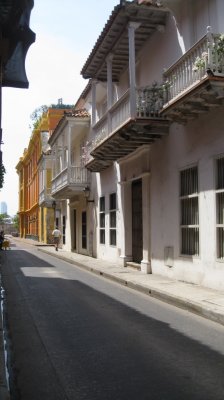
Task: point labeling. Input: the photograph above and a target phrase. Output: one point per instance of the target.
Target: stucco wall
(198, 143)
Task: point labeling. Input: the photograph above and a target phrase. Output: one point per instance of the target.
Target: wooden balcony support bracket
(207, 95)
(98, 165)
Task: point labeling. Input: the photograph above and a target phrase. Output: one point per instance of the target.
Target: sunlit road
(76, 336)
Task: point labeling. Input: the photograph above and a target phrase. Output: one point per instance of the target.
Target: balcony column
(109, 90)
(69, 153)
(132, 72)
(125, 223)
(93, 92)
(63, 151)
(210, 43)
(56, 160)
(146, 261)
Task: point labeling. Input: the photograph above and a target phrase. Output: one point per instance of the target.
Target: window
(113, 219)
(220, 207)
(63, 229)
(84, 230)
(189, 212)
(102, 220)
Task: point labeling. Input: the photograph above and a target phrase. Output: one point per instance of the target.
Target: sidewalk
(205, 302)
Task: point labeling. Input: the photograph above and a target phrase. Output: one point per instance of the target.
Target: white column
(69, 152)
(93, 92)
(125, 223)
(146, 262)
(56, 159)
(109, 91)
(109, 82)
(63, 151)
(132, 73)
(68, 240)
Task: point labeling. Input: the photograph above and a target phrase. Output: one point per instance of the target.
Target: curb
(179, 302)
(4, 391)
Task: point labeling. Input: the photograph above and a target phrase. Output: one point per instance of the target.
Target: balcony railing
(148, 101)
(204, 58)
(70, 176)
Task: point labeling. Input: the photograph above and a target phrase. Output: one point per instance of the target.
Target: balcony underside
(199, 99)
(68, 191)
(126, 140)
(46, 203)
(45, 198)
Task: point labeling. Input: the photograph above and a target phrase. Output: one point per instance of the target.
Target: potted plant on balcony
(200, 62)
(219, 49)
(150, 100)
(217, 57)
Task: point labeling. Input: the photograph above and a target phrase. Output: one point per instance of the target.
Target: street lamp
(86, 192)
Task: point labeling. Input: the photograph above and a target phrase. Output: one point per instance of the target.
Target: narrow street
(74, 335)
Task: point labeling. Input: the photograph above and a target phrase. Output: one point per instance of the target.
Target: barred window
(102, 219)
(84, 230)
(189, 207)
(220, 207)
(113, 219)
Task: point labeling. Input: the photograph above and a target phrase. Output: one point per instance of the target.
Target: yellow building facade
(28, 188)
(36, 206)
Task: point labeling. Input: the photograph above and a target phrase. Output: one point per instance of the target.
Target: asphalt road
(76, 336)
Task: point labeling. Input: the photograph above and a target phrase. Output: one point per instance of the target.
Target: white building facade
(70, 178)
(155, 148)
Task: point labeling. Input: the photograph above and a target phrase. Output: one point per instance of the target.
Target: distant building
(36, 206)
(3, 207)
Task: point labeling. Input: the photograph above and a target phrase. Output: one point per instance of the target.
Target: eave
(114, 38)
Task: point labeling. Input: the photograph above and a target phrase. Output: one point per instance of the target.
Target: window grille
(220, 207)
(189, 208)
(84, 230)
(113, 219)
(63, 229)
(102, 219)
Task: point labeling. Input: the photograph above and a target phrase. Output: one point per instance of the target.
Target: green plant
(219, 46)
(218, 53)
(217, 56)
(15, 221)
(2, 175)
(200, 62)
(3, 216)
(38, 113)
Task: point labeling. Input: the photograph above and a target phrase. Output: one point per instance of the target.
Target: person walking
(57, 236)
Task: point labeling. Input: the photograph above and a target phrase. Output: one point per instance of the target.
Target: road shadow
(70, 341)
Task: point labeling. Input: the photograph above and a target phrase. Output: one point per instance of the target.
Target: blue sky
(66, 32)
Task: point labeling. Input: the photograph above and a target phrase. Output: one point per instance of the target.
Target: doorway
(74, 230)
(137, 228)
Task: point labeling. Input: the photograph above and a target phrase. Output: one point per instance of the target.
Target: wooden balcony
(131, 122)
(69, 182)
(195, 83)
